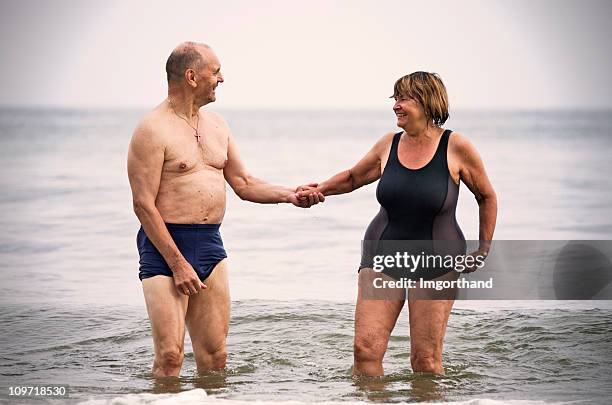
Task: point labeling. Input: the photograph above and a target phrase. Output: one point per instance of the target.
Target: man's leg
(207, 320)
(167, 309)
(374, 321)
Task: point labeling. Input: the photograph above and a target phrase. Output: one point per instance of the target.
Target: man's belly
(195, 198)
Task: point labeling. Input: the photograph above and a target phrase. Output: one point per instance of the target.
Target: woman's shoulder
(461, 146)
(386, 139)
(383, 144)
(459, 142)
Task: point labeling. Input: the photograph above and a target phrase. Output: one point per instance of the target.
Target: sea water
(72, 307)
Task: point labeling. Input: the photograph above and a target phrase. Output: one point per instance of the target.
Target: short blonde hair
(428, 90)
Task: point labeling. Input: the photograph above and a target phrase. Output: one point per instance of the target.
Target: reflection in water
(166, 385)
(374, 388)
(422, 387)
(211, 380)
(425, 387)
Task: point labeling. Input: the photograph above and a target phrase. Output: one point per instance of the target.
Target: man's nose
(220, 78)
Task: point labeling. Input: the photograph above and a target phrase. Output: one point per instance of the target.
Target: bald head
(188, 55)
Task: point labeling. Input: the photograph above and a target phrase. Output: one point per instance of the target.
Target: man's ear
(190, 78)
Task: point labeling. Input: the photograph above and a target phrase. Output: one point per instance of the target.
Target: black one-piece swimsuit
(417, 205)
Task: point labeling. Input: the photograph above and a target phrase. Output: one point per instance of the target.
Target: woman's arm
(472, 172)
(367, 170)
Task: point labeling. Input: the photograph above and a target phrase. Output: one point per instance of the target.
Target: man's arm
(145, 162)
(253, 189)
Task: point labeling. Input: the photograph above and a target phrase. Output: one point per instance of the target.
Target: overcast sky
(310, 54)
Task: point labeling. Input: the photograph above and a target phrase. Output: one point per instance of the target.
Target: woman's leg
(428, 319)
(374, 321)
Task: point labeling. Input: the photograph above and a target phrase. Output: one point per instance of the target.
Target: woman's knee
(170, 358)
(370, 348)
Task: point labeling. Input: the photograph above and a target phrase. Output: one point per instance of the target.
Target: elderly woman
(420, 169)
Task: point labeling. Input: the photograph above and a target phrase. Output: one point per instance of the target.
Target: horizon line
(68, 107)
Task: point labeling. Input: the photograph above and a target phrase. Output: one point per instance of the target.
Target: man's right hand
(307, 195)
(186, 280)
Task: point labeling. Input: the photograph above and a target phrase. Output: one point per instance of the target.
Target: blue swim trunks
(200, 244)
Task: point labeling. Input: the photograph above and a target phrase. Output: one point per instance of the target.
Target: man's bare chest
(186, 153)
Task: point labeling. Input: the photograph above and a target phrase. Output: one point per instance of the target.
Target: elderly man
(178, 161)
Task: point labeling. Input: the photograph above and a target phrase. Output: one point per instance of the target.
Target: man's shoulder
(215, 117)
(150, 128)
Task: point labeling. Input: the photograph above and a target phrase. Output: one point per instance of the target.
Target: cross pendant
(197, 137)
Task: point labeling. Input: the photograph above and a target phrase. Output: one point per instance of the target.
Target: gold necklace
(197, 133)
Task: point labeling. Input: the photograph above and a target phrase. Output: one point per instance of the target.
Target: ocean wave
(198, 396)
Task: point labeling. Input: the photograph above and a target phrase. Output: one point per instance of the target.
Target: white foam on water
(198, 396)
(194, 396)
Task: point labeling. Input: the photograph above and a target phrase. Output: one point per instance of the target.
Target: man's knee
(425, 361)
(369, 348)
(212, 359)
(219, 358)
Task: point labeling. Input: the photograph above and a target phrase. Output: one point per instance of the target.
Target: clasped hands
(306, 196)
